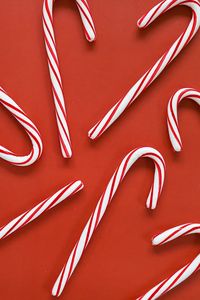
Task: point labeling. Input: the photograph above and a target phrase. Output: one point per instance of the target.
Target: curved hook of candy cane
(172, 116)
(159, 66)
(54, 70)
(103, 203)
(182, 274)
(30, 129)
(175, 232)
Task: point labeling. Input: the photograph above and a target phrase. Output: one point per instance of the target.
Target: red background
(120, 262)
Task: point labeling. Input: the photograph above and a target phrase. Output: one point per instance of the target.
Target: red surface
(120, 262)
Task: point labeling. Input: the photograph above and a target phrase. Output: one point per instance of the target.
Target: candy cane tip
(152, 206)
(91, 136)
(80, 183)
(55, 292)
(177, 148)
(140, 23)
(155, 240)
(67, 154)
(91, 38)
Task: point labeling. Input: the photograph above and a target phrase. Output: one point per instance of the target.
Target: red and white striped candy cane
(103, 203)
(172, 116)
(176, 232)
(54, 68)
(30, 129)
(182, 274)
(159, 66)
(40, 208)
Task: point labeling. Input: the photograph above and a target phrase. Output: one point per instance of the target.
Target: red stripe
(63, 271)
(29, 132)
(60, 281)
(174, 233)
(72, 262)
(47, 28)
(56, 74)
(144, 16)
(99, 210)
(180, 97)
(82, 11)
(18, 109)
(177, 278)
(178, 230)
(63, 146)
(38, 208)
(63, 127)
(88, 231)
(59, 102)
(176, 123)
(19, 220)
(52, 51)
(48, 11)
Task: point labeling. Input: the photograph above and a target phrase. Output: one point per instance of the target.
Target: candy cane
(40, 208)
(102, 205)
(54, 69)
(182, 274)
(160, 65)
(30, 129)
(172, 117)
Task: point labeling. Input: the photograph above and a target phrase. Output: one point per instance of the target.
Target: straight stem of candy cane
(54, 69)
(30, 129)
(172, 115)
(174, 280)
(159, 66)
(182, 274)
(40, 208)
(103, 203)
